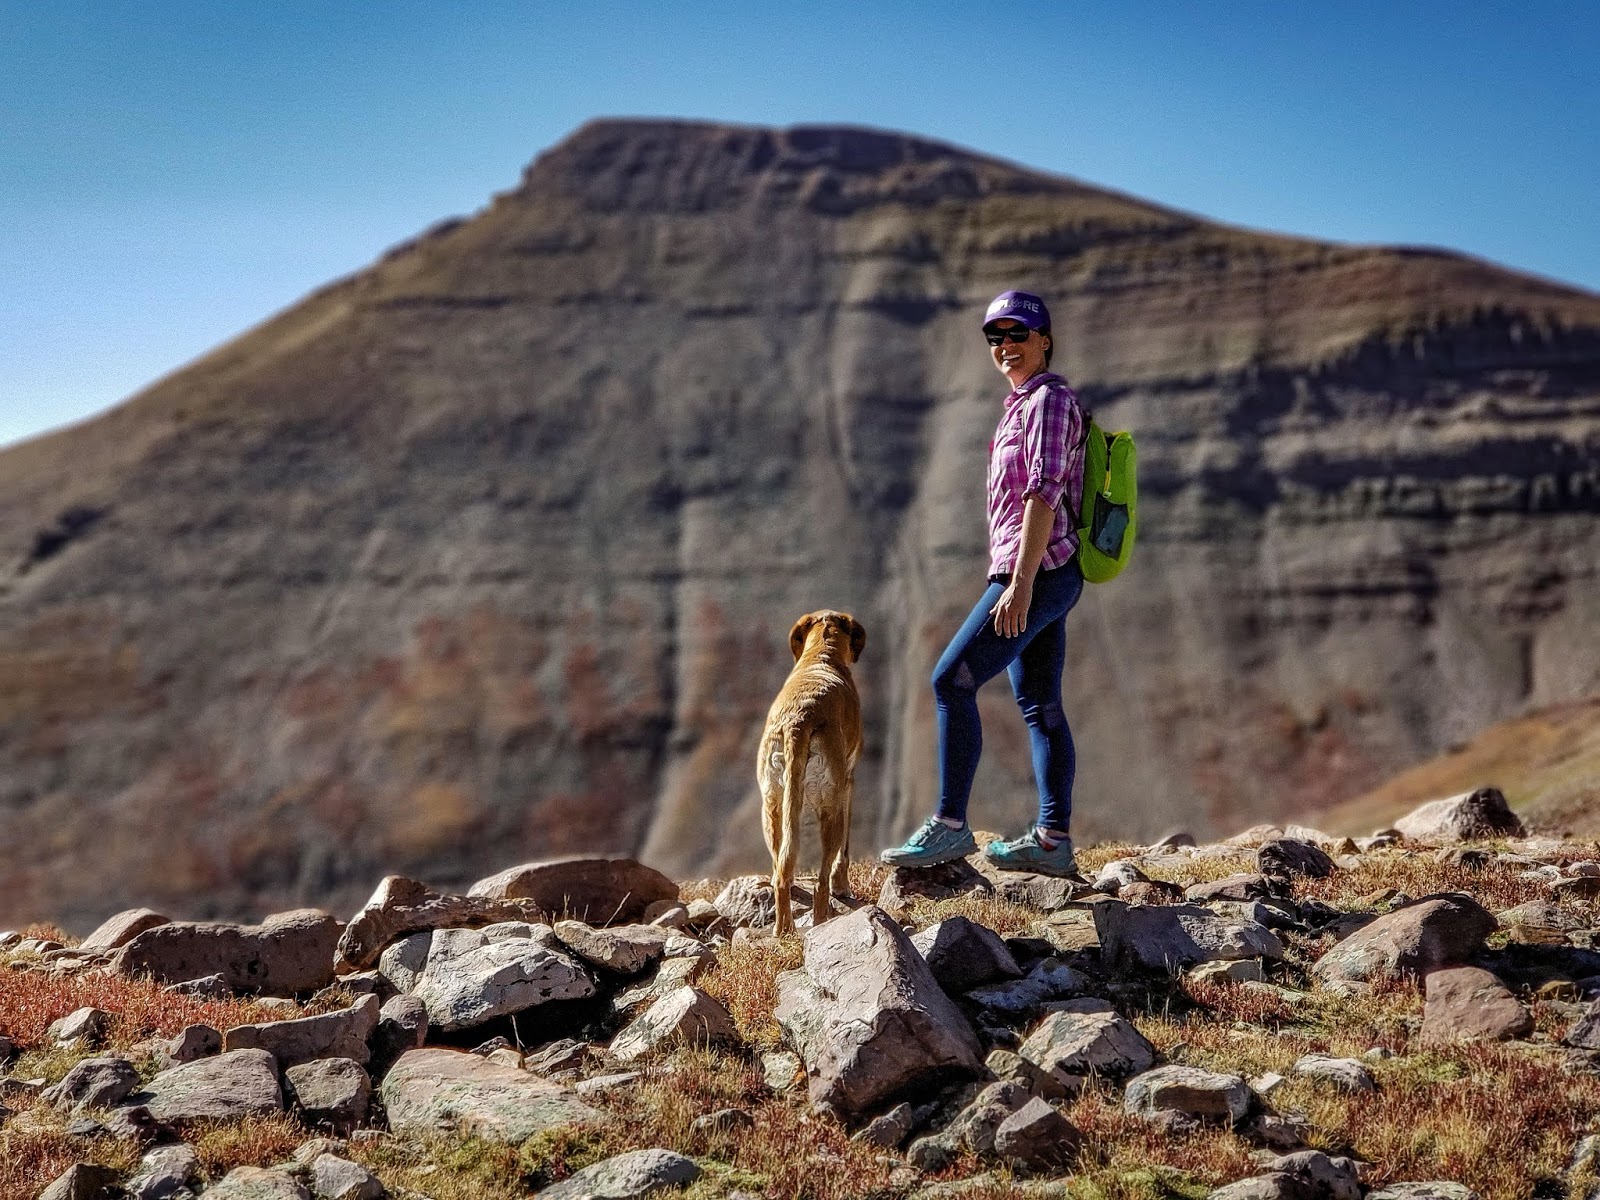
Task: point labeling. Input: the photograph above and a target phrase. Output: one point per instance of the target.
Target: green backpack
(1106, 513)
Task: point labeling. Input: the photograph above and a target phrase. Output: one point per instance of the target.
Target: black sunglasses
(996, 337)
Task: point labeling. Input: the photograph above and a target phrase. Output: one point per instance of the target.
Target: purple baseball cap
(1023, 307)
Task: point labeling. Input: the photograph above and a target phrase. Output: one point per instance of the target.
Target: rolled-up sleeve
(1052, 425)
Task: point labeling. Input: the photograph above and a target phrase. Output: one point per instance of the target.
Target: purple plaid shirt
(1037, 450)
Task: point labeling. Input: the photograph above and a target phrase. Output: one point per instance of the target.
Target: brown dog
(808, 752)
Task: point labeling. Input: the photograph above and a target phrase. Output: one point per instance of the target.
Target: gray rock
(1347, 1074)
(781, 1070)
(83, 1181)
(722, 1121)
(1275, 1185)
(889, 1129)
(627, 1176)
(975, 1125)
(1240, 970)
(748, 902)
(963, 954)
(1246, 886)
(85, 1028)
(566, 1056)
(1437, 931)
(335, 1178)
(1177, 936)
(1090, 1039)
(672, 974)
(1036, 1138)
(1048, 980)
(1284, 858)
(1584, 1034)
(257, 1183)
(340, 1034)
(1203, 1095)
(686, 1017)
(94, 1083)
(1117, 874)
(601, 891)
(1333, 1178)
(224, 1087)
(116, 931)
(1436, 1189)
(867, 1015)
(163, 1171)
(1008, 1066)
(932, 1153)
(400, 907)
(332, 1093)
(437, 1090)
(196, 1041)
(288, 952)
(1471, 816)
(495, 979)
(624, 949)
(402, 1026)
(207, 987)
(1467, 1003)
(956, 878)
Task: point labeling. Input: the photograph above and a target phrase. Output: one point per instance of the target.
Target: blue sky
(172, 173)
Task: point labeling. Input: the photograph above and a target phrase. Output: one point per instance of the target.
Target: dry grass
(744, 979)
(35, 1149)
(30, 1000)
(1417, 873)
(249, 1142)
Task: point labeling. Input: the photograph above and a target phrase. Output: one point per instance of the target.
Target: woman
(1035, 485)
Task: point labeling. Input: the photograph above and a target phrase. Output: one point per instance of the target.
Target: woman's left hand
(1011, 610)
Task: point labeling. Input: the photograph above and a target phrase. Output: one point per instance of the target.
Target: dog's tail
(796, 749)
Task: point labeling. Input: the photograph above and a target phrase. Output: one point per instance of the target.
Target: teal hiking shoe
(1028, 853)
(932, 844)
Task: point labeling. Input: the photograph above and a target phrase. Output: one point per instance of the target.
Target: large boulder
(1468, 1003)
(868, 1017)
(1089, 1037)
(495, 978)
(434, 1090)
(226, 1087)
(1434, 932)
(601, 891)
(963, 954)
(1173, 937)
(1471, 816)
(402, 906)
(287, 953)
(340, 1034)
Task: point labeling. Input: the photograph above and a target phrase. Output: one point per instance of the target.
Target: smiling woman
(1019, 623)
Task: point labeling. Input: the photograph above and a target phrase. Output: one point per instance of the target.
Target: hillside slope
(489, 551)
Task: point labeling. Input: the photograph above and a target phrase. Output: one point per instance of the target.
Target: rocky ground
(1282, 1014)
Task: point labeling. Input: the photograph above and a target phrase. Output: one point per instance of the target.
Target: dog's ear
(797, 635)
(858, 639)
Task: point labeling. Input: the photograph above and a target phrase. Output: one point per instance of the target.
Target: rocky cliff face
(490, 551)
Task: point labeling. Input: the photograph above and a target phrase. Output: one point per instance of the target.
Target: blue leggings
(1034, 660)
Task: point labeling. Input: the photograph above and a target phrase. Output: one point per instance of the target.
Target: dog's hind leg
(838, 866)
(796, 749)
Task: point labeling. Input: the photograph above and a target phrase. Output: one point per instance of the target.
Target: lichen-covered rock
(601, 891)
(84, 1028)
(434, 1090)
(224, 1087)
(1036, 1139)
(94, 1083)
(629, 1176)
(495, 979)
(257, 1183)
(624, 949)
(332, 1093)
(1347, 1074)
(1090, 1038)
(336, 1178)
